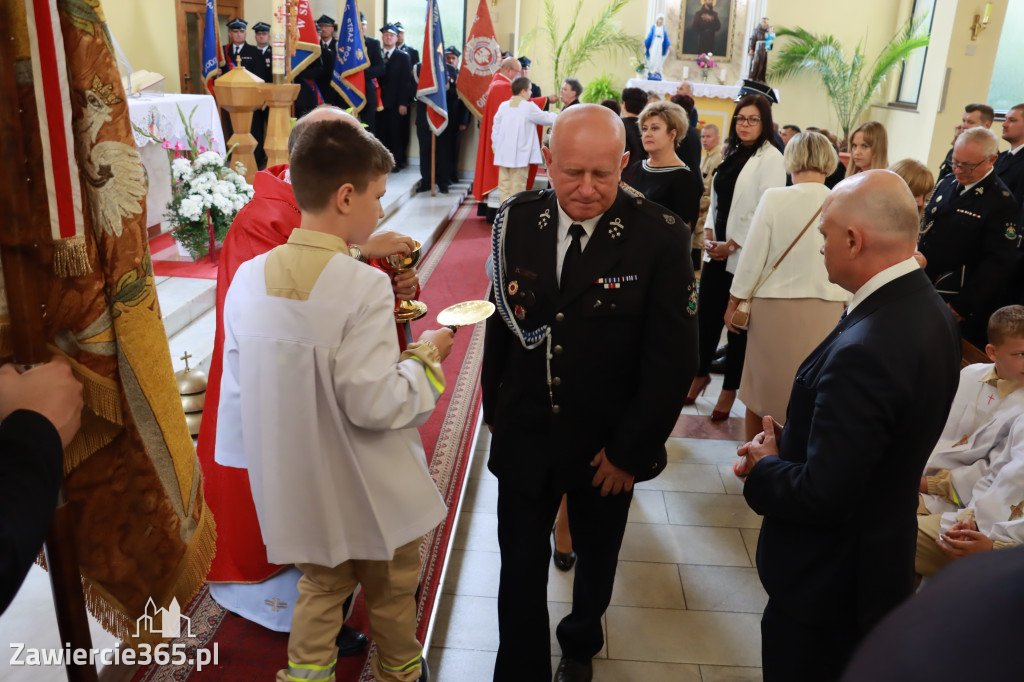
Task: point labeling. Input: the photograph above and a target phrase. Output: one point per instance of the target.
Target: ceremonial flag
(305, 39)
(481, 59)
(431, 90)
(133, 485)
(348, 79)
(210, 67)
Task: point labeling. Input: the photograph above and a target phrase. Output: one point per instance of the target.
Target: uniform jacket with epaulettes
(623, 343)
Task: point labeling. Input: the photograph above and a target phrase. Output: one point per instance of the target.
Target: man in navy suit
(838, 485)
(397, 89)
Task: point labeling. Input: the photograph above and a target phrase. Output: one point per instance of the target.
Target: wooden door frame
(234, 7)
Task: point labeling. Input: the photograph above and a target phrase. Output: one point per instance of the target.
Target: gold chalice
(406, 311)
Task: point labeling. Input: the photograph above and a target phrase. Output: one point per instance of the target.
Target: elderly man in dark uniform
(584, 375)
(970, 234)
(373, 74)
(261, 67)
(838, 486)
(397, 88)
(237, 51)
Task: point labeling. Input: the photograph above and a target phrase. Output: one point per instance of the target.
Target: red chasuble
(486, 179)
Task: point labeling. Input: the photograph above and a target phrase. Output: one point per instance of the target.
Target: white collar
(881, 279)
(1014, 150)
(967, 187)
(564, 222)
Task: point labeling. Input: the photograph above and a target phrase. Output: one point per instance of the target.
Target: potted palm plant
(570, 52)
(850, 83)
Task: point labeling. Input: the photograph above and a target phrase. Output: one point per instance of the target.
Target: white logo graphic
(484, 54)
(170, 623)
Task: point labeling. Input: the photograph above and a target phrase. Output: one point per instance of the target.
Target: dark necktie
(843, 316)
(386, 56)
(571, 262)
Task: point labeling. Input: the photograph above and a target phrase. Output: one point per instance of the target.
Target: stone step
(183, 300)
(197, 339)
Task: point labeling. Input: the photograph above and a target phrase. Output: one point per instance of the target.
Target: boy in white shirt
(319, 406)
(972, 493)
(515, 140)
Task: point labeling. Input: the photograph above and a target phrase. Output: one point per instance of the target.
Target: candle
(277, 37)
(722, 77)
(988, 13)
(686, 73)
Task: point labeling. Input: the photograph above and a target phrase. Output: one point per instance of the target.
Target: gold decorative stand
(238, 92)
(279, 98)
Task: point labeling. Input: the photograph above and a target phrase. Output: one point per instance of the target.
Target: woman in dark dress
(751, 165)
(663, 177)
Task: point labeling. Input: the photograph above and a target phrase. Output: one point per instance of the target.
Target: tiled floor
(687, 602)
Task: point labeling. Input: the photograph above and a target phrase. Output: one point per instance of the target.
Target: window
(1005, 88)
(413, 15)
(913, 67)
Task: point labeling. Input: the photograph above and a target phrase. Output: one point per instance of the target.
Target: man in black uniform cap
(414, 59)
(458, 113)
(373, 74)
(237, 50)
(970, 234)
(261, 67)
(397, 88)
(584, 374)
(328, 53)
(525, 73)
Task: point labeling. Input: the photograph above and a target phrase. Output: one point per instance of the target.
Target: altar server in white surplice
(515, 140)
(321, 408)
(972, 493)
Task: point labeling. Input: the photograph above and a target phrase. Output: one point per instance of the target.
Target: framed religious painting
(706, 26)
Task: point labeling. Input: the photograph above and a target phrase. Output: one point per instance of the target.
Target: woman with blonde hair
(781, 272)
(869, 148)
(918, 178)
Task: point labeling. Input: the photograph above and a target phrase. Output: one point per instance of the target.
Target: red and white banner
(481, 58)
(53, 106)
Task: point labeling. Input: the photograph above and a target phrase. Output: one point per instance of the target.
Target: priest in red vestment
(262, 224)
(500, 90)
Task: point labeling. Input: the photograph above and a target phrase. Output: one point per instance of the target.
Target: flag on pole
(348, 79)
(431, 87)
(307, 43)
(210, 67)
(481, 59)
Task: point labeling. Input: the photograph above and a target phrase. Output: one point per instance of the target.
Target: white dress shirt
(881, 279)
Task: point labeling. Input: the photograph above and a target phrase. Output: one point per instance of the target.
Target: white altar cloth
(700, 89)
(159, 116)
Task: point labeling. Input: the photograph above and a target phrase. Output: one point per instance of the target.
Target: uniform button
(557, 381)
(613, 306)
(555, 409)
(559, 317)
(557, 350)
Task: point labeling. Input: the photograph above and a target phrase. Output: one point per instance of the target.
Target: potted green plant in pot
(599, 89)
(850, 83)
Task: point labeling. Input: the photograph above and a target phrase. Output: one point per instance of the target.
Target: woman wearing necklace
(751, 165)
(663, 177)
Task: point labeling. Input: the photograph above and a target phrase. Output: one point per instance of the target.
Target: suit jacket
(262, 66)
(414, 55)
(973, 236)
(375, 71)
(867, 406)
(622, 355)
(328, 55)
(1010, 169)
(458, 112)
(397, 86)
(251, 57)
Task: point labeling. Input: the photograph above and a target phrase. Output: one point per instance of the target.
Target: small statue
(759, 51)
(656, 46)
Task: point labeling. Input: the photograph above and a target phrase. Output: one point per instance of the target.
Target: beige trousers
(390, 589)
(511, 181)
(930, 557)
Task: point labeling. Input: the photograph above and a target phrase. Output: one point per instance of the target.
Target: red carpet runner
(453, 271)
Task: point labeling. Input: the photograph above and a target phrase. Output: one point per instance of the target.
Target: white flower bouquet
(206, 193)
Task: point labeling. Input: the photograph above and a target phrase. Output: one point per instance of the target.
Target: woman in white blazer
(514, 138)
(750, 166)
(796, 307)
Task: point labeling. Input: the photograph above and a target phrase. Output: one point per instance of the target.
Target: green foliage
(849, 85)
(569, 53)
(600, 89)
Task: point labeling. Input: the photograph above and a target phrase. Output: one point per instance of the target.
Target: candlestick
(686, 73)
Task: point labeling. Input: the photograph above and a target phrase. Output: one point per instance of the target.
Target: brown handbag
(741, 316)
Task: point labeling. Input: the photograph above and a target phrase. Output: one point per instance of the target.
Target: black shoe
(573, 670)
(720, 352)
(421, 187)
(350, 641)
(718, 366)
(443, 189)
(564, 561)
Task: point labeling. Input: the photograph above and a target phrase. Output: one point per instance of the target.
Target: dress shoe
(718, 366)
(701, 385)
(350, 641)
(443, 189)
(724, 407)
(564, 561)
(574, 670)
(421, 187)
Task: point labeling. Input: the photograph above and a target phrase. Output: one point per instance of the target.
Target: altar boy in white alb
(972, 494)
(514, 138)
(320, 407)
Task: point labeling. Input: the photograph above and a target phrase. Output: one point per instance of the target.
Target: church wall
(147, 32)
